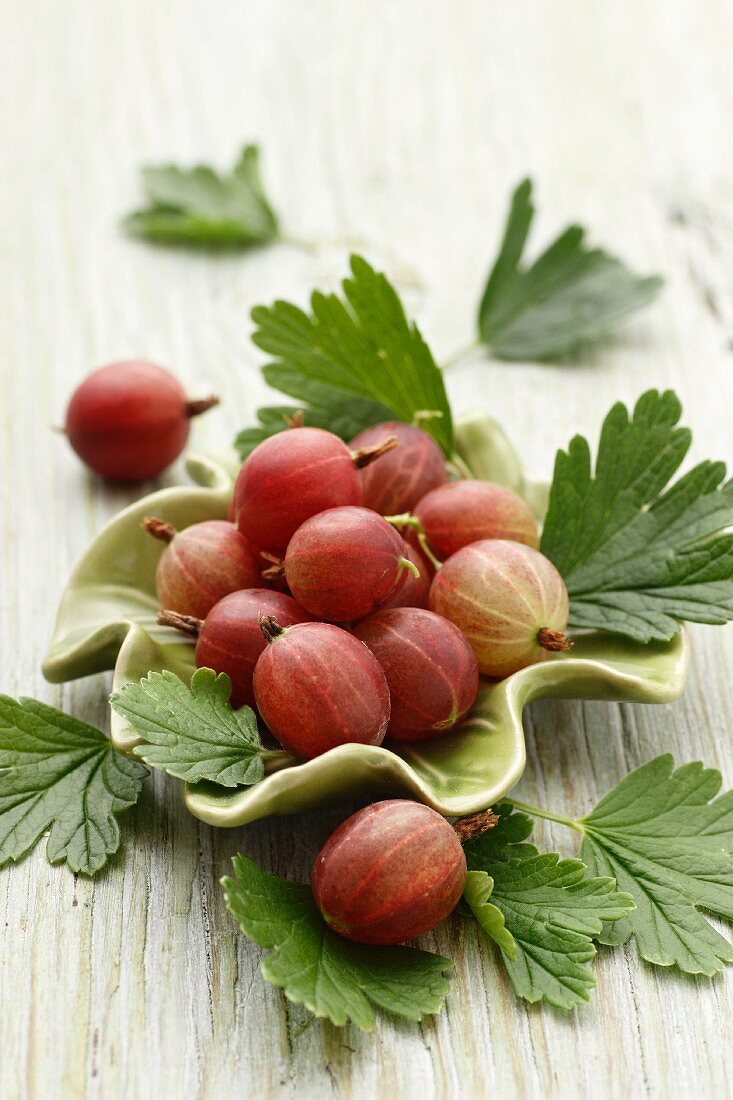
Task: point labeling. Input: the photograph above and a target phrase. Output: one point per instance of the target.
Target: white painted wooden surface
(402, 126)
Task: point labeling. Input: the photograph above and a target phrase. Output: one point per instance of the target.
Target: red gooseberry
(389, 873)
(415, 590)
(129, 420)
(462, 512)
(507, 599)
(316, 686)
(342, 563)
(404, 475)
(202, 563)
(294, 475)
(430, 668)
(230, 638)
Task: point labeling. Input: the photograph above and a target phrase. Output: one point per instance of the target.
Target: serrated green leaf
(362, 346)
(638, 560)
(202, 208)
(193, 733)
(550, 909)
(60, 774)
(331, 976)
(671, 847)
(570, 293)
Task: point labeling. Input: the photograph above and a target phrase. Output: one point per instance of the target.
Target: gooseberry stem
(405, 563)
(405, 519)
(276, 569)
(422, 538)
(270, 627)
(554, 641)
(467, 828)
(186, 624)
(535, 811)
(201, 405)
(159, 529)
(367, 455)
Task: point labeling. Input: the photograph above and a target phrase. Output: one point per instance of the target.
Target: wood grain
(400, 127)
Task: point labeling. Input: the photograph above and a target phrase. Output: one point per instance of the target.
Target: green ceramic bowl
(107, 620)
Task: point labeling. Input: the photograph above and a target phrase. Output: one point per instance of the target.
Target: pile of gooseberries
(355, 593)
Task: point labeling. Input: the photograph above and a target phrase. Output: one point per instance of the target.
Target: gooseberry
(508, 600)
(294, 475)
(404, 475)
(202, 563)
(430, 668)
(316, 686)
(230, 638)
(389, 873)
(461, 512)
(415, 590)
(129, 420)
(342, 563)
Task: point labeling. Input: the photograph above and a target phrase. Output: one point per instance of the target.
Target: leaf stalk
(535, 811)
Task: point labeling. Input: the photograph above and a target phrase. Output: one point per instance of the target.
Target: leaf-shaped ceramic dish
(107, 620)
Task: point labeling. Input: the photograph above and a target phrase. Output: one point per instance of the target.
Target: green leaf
(476, 894)
(669, 841)
(637, 558)
(193, 733)
(202, 208)
(544, 911)
(60, 774)
(570, 293)
(331, 976)
(322, 406)
(361, 346)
